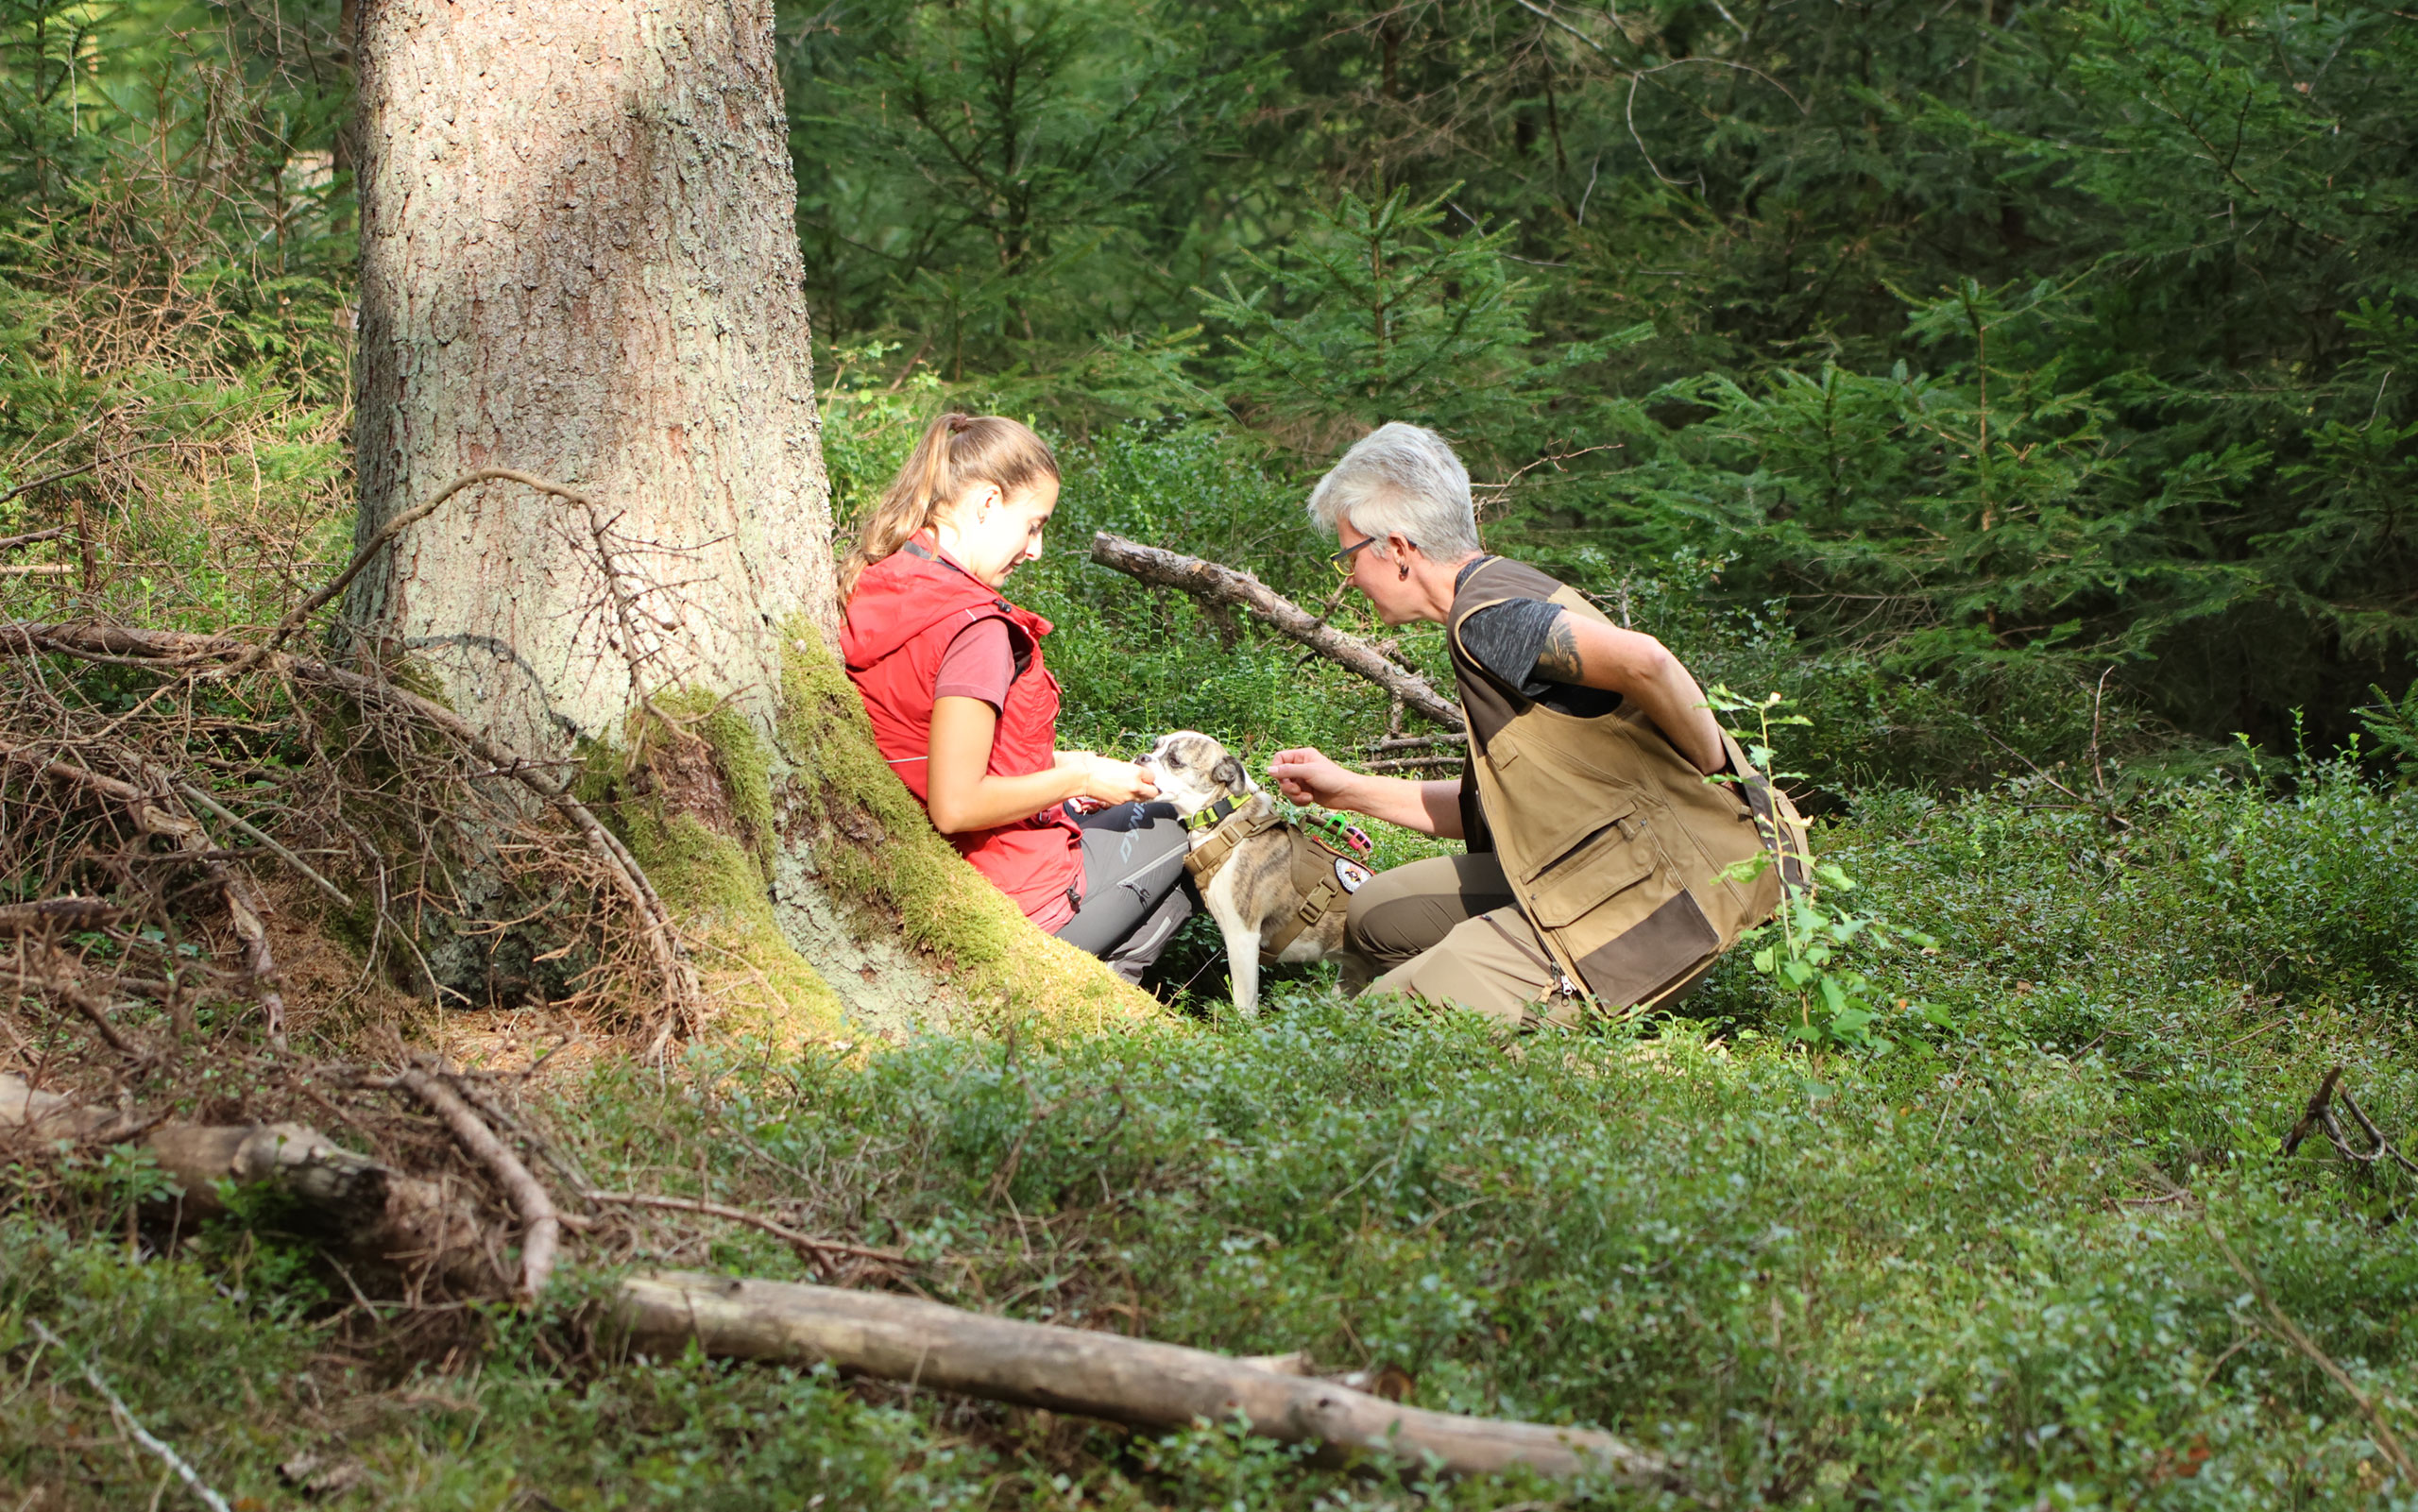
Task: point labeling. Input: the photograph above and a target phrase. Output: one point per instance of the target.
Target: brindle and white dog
(1254, 894)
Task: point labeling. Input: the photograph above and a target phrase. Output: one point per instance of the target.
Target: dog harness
(1324, 870)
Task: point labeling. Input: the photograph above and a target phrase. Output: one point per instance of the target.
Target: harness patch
(1351, 875)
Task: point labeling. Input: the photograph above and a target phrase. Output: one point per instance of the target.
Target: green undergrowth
(1991, 1268)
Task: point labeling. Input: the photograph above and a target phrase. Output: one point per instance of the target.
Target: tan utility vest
(1614, 844)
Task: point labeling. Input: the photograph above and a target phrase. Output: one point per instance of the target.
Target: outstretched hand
(1307, 776)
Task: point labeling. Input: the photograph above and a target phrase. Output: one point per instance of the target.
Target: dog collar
(1211, 816)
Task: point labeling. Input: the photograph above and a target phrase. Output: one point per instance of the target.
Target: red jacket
(905, 611)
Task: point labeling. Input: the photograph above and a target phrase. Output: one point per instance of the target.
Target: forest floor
(2044, 1250)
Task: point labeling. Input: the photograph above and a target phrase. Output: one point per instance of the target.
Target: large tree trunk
(579, 260)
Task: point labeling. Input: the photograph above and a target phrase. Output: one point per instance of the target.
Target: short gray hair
(1400, 480)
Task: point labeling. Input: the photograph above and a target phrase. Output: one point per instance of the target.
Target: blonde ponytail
(956, 450)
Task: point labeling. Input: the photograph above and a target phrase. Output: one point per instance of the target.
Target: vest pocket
(1610, 859)
(1653, 955)
(1566, 824)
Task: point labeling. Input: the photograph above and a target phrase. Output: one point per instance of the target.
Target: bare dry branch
(542, 1233)
(814, 1251)
(53, 915)
(1216, 585)
(2386, 1441)
(174, 651)
(1095, 1374)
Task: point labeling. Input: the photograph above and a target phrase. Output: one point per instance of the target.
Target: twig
(125, 1414)
(71, 991)
(39, 569)
(816, 1251)
(153, 815)
(543, 1234)
(368, 552)
(56, 477)
(189, 790)
(2385, 1441)
(2098, 773)
(10, 543)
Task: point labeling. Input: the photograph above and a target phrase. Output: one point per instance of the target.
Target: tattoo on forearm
(1558, 658)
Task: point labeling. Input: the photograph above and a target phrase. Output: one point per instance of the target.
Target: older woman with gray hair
(1612, 827)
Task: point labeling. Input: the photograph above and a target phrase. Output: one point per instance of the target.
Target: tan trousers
(1446, 930)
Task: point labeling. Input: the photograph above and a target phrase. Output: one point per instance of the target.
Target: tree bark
(1097, 1375)
(579, 259)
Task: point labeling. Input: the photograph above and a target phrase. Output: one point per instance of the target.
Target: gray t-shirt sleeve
(1506, 637)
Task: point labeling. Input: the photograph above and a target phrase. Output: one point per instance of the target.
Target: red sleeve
(977, 664)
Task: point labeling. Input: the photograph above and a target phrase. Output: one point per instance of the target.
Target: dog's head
(1193, 771)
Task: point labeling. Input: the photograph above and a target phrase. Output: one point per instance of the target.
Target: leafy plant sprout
(1806, 949)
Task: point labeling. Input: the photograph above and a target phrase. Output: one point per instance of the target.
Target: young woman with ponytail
(966, 711)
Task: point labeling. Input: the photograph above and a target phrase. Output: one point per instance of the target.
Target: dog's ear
(1227, 773)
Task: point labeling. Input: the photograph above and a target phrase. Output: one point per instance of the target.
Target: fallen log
(1225, 588)
(1095, 1375)
(369, 1208)
(48, 917)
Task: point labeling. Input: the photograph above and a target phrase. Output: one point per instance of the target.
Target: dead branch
(384, 538)
(814, 1251)
(153, 814)
(37, 569)
(2313, 1113)
(2318, 1113)
(52, 916)
(31, 537)
(2385, 1440)
(1216, 585)
(60, 981)
(542, 1234)
(335, 893)
(133, 1425)
(374, 1210)
(1095, 1374)
(169, 652)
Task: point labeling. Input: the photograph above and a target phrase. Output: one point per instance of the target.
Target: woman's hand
(1308, 775)
(1105, 779)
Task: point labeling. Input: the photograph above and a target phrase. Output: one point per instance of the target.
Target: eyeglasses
(1342, 560)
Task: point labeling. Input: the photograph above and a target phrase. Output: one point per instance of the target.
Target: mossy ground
(718, 807)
